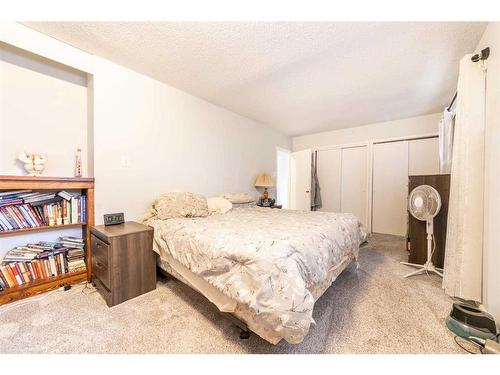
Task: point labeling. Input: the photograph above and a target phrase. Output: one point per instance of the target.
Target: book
(10, 202)
(40, 198)
(13, 216)
(71, 239)
(16, 274)
(5, 277)
(4, 222)
(46, 201)
(25, 275)
(14, 193)
(74, 210)
(3, 280)
(41, 260)
(65, 195)
(26, 209)
(12, 276)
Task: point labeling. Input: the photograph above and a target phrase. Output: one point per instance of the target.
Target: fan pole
(428, 266)
(430, 231)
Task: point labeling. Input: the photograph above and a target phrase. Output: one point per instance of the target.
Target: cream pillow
(218, 205)
(176, 204)
(244, 205)
(238, 197)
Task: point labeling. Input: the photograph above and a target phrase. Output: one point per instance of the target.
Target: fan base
(423, 268)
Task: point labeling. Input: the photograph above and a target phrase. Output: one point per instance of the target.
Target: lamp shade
(264, 180)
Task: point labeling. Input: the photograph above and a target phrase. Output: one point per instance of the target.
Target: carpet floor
(372, 309)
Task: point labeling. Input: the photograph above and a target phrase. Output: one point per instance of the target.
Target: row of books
(27, 209)
(42, 260)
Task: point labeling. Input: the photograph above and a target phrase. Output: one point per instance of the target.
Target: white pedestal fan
(424, 204)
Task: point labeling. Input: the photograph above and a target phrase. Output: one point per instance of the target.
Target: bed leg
(357, 264)
(244, 334)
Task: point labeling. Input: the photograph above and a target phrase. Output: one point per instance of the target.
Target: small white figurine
(33, 163)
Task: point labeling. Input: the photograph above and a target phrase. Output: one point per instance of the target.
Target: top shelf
(30, 182)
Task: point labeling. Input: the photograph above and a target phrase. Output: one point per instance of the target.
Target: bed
(266, 267)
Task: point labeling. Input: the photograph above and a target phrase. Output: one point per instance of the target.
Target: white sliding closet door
(329, 175)
(390, 187)
(354, 182)
(424, 156)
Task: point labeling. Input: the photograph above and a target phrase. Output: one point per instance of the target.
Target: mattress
(265, 266)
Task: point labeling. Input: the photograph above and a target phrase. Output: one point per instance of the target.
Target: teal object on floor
(466, 320)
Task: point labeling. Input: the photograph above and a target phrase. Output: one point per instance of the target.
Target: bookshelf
(86, 186)
(40, 229)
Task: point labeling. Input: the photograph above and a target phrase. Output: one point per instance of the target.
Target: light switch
(125, 161)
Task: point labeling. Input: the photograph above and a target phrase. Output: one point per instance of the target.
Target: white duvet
(266, 259)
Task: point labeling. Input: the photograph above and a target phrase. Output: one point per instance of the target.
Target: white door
(354, 193)
(423, 156)
(390, 187)
(300, 173)
(329, 177)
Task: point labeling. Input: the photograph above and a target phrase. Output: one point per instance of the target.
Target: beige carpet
(369, 310)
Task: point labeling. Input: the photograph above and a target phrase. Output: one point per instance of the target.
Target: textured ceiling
(297, 77)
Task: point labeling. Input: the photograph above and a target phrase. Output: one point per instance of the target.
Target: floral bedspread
(264, 258)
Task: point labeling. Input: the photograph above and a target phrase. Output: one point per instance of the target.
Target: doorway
(283, 177)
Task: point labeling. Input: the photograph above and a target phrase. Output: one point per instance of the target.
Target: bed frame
(244, 330)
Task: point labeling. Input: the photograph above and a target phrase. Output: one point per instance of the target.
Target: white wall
(172, 140)
(399, 128)
(491, 255)
(43, 109)
(367, 134)
(169, 139)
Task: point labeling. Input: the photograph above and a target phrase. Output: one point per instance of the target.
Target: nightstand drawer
(105, 293)
(100, 261)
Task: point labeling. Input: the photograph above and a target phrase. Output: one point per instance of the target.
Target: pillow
(238, 197)
(170, 205)
(244, 205)
(218, 205)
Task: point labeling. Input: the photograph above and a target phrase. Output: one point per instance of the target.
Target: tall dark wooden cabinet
(417, 235)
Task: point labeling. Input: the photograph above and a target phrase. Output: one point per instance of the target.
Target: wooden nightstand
(123, 261)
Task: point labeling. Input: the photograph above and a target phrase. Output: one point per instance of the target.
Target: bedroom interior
(243, 188)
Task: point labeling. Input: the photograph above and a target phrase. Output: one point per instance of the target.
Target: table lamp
(264, 180)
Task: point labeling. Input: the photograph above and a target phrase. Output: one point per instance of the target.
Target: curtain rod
(483, 55)
(452, 101)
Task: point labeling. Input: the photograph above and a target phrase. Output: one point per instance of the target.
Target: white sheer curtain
(446, 130)
(464, 238)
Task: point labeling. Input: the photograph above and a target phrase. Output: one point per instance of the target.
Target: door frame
(369, 154)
